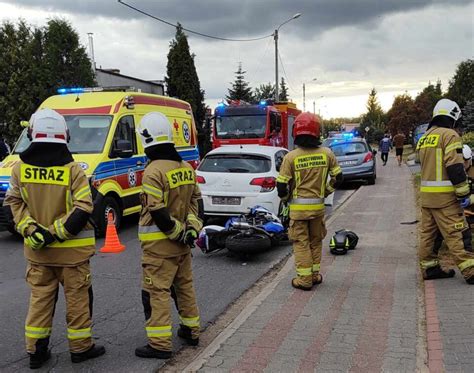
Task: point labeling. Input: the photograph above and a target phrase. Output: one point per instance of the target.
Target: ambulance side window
(125, 132)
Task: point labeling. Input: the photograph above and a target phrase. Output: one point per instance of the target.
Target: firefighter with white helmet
(169, 225)
(303, 183)
(50, 201)
(444, 192)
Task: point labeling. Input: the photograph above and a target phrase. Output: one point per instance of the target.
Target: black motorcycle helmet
(342, 241)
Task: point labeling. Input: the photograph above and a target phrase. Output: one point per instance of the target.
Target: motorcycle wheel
(248, 244)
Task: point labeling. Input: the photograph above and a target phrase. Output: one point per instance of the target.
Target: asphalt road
(220, 279)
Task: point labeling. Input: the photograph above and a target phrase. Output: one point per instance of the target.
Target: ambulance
(104, 142)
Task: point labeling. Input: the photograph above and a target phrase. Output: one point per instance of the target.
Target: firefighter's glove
(40, 238)
(465, 202)
(190, 236)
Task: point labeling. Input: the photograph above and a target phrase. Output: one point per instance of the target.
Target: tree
(425, 101)
(65, 59)
(468, 116)
(264, 91)
(461, 86)
(183, 82)
(34, 62)
(240, 88)
(402, 115)
(283, 91)
(374, 117)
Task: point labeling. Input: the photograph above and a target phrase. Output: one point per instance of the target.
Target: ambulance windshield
(241, 126)
(88, 134)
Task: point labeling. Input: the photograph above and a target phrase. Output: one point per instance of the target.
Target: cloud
(349, 46)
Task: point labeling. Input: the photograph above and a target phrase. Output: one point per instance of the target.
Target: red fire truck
(266, 123)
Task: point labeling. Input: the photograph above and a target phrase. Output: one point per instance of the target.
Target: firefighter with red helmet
(303, 183)
(51, 202)
(169, 225)
(444, 193)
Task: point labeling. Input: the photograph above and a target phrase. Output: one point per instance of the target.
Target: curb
(250, 308)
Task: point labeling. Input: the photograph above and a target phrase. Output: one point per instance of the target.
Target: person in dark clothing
(384, 148)
(3, 149)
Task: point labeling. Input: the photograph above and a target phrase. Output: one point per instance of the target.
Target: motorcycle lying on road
(247, 234)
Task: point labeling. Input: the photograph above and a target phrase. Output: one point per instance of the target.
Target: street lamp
(314, 105)
(275, 37)
(304, 93)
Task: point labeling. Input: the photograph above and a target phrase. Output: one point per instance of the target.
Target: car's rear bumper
(358, 172)
(268, 200)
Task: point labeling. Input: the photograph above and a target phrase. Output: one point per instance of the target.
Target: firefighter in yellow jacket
(50, 200)
(169, 224)
(302, 182)
(444, 192)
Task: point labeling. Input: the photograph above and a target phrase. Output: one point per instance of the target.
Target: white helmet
(155, 129)
(466, 152)
(47, 125)
(448, 108)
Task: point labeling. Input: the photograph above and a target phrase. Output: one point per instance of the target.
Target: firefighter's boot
(302, 282)
(41, 355)
(436, 272)
(317, 278)
(149, 352)
(185, 333)
(91, 353)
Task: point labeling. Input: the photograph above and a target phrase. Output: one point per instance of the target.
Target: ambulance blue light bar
(77, 90)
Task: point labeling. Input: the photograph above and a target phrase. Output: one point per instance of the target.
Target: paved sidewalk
(367, 315)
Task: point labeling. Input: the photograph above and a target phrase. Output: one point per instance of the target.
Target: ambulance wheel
(108, 204)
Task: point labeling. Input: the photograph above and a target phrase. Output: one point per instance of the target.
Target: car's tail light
(200, 179)
(194, 163)
(267, 183)
(368, 157)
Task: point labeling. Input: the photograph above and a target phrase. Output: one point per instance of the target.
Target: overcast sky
(349, 46)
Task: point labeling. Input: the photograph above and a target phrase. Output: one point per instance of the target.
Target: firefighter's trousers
(44, 283)
(307, 237)
(158, 281)
(450, 224)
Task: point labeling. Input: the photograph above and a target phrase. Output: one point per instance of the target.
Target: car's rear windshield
(348, 148)
(236, 163)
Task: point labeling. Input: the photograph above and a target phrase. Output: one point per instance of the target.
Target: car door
(128, 166)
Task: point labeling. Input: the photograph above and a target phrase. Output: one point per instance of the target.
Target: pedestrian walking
(51, 202)
(399, 142)
(169, 224)
(444, 192)
(4, 150)
(303, 183)
(384, 147)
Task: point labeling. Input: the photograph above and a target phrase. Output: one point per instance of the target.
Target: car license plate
(233, 201)
(347, 163)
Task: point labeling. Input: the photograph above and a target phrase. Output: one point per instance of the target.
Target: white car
(235, 178)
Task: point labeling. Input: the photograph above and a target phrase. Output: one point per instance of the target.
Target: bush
(468, 139)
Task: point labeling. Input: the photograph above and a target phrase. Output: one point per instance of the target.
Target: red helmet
(307, 124)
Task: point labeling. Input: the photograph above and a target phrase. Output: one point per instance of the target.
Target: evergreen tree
(374, 118)
(283, 91)
(240, 88)
(264, 91)
(461, 86)
(183, 82)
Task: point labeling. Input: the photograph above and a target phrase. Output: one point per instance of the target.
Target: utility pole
(304, 98)
(275, 37)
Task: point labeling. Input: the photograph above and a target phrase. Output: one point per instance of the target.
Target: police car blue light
(3, 187)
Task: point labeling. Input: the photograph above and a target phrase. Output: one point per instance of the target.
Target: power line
(284, 73)
(185, 29)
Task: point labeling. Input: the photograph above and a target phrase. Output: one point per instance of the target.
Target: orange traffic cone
(112, 243)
